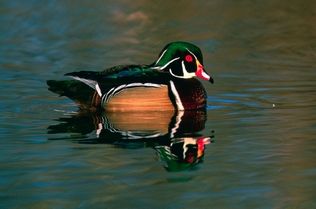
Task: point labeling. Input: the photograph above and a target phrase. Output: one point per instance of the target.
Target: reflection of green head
(174, 162)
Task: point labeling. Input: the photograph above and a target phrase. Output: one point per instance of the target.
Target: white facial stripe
(174, 74)
(168, 63)
(186, 74)
(161, 56)
(192, 53)
(176, 96)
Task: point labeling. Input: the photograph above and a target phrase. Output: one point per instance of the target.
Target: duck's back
(120, 88)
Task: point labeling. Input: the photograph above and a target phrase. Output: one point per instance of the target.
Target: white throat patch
(186, 74)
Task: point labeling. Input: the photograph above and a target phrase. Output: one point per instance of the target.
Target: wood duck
(167, 84)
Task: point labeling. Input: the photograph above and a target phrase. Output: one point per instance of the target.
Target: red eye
(188, 58)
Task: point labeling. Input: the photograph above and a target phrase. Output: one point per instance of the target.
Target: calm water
(254, 147)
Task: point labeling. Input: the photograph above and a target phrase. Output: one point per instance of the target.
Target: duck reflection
(182, 153)
(174, 135)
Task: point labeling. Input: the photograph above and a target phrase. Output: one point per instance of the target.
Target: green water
(259, 127)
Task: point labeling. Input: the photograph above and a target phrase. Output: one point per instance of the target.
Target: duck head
(182, 60)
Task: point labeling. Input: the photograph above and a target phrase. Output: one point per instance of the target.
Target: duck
(169, 83)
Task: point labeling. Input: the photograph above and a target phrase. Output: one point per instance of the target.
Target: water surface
(260, 120)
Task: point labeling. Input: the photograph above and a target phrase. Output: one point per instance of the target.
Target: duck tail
(77, 91)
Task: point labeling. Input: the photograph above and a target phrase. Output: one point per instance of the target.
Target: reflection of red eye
(188, 58)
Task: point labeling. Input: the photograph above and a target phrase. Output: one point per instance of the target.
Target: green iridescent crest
(177, 49)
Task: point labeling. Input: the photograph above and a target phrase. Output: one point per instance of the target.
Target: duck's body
(163, 85)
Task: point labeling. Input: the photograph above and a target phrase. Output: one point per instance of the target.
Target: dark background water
(261, 109)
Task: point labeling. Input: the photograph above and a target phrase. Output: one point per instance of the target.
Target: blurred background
(261, 110)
